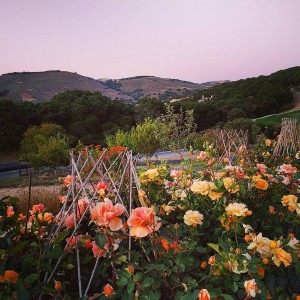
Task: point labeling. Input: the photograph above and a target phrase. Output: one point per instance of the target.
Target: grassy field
(276, 119)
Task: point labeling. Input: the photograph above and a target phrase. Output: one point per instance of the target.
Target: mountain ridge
(41, 86)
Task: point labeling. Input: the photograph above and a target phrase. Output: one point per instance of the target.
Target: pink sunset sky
(195, 40)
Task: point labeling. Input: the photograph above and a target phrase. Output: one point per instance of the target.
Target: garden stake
(28, 205)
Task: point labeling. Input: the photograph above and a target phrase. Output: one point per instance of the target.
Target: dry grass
(46, 195)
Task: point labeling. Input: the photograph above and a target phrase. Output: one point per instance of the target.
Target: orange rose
(108, 290)
(204, 295)
(10, 276)
(261, 184)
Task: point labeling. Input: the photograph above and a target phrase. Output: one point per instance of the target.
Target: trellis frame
(125, 177)
(289, 138)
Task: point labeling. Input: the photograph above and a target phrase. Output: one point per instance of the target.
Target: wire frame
(230, 143)
(121, 176)
(289, 138)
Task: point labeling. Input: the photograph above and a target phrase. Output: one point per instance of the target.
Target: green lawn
(276, 119)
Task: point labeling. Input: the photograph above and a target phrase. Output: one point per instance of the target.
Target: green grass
(276, 119)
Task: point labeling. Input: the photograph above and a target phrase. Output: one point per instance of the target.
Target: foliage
(149, 108)
(229, 231)
(174, 129)
(245, 124)
(45, 145)
(15, 118)
(144, 137)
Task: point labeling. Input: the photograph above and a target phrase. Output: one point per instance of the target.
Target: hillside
(42, 86)
(155, 87)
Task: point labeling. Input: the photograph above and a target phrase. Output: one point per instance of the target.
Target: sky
(194, 40)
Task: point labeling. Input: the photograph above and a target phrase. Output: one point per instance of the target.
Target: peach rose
(106, 214)
(212, 194)
(236, 209)
(193, 218)
(200, 187)
(67, 181)
(251, 288)
(10, 211)
(142, 222)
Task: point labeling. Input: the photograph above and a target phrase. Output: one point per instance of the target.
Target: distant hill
(42, 86)
(155, 87)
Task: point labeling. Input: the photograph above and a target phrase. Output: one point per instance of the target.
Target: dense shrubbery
(206, 228)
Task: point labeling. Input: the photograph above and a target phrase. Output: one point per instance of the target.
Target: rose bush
(208, 230)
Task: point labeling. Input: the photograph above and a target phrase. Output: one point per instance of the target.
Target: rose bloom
(149, 175)
(202, 155)
(268, 142)
(9, 276)
(288, 169)
(261, 184)
(281, 256)
(98, 251)
(82, 205)
(212, 260)
(200, 187)
(69, 221)
(106, 214)
(142, 222)
(251, 288)
(67, 181)
(193, 218)
(262, 245)
(262, 168)
(204, 295)
(101, 188)
(212, 194)
(230, 185)
(236, 209)
(38, 208)
(108, 290)
(175, 173)
(62, 199)
(57, 285)
(45, 217)
(290, 201)
(10, 211)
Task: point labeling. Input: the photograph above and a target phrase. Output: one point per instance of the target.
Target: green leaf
(227, 297)
(19, 247)
(31, 278)
(23, 294)
(122, 281)
(138, 276)
(214, 246)
(100, 240)
(61, 236)
(130, 286)
(201, 249)
(148, 282)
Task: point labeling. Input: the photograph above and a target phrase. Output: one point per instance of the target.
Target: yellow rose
(200, 187)
(281, 256)
(45, 217)
(193, 218)
(212, 194)
(230, 185)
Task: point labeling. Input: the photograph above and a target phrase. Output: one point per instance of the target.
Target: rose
(193, 218)
(200, 187)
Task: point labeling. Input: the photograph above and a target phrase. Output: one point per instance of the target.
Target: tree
(174, 129)
(45, 145)
(144, 137)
